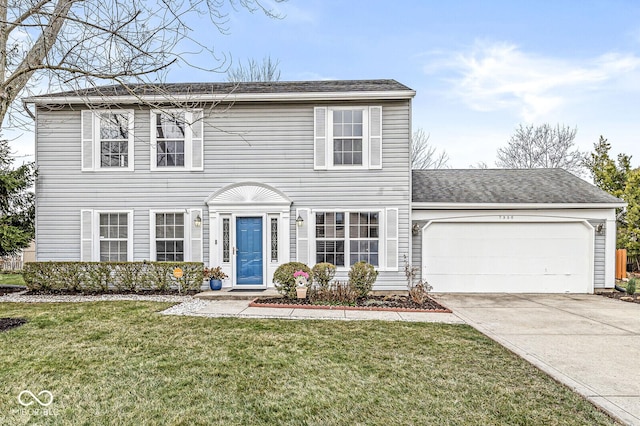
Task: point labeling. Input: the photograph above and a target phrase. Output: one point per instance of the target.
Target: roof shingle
(323, 86)
(505, 186)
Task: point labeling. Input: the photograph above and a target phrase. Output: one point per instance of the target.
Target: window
(226, 246)
(364, 233)
(170, 139)
(274, 239)
(176, 140)
(107, 140)
(114, 139)
(348, 137)
(170, 239)
(114, 233)
(353, 236)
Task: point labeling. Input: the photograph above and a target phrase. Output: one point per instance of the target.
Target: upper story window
(114, 139)
(176, 140)
(348, 137)
(107, 140)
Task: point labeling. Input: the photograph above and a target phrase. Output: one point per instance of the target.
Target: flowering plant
(215, 273)
(301, 278)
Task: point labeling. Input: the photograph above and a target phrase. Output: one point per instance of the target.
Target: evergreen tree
(17, 203)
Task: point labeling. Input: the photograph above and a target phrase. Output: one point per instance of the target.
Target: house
(249, 176)
(246, 176)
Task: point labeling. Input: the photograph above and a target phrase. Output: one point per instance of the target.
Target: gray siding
(268, 143)
(599, 255)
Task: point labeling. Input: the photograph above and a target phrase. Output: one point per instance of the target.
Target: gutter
(223, 97)
(513, 206)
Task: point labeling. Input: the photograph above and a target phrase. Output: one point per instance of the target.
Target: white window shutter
(87, 140)
(197, 140)
(196, 235)
(391, 243)
(86, 236)
(302, 236)
(375, 137)
(320, 138)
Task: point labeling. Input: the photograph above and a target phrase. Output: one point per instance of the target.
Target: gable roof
(277, 90)
(505, 186)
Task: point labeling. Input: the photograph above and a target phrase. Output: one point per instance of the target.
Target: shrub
(631, 286)
(340, 293)
(418, 289)
(285, 281)
(120, 276)
(361, 277)
(323, 273)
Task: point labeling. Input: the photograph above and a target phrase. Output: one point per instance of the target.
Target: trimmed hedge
(112, 276)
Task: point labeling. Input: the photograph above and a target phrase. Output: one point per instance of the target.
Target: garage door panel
(508, 257)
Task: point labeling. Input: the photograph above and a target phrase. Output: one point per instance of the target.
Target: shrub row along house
(248, 176)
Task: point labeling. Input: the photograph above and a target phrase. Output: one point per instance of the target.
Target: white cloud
(496, 76)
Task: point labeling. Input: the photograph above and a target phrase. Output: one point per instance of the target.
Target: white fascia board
(513, 206)
(226, 97)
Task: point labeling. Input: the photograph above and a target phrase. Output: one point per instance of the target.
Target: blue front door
(249, 269)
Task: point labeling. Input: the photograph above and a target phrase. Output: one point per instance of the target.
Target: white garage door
(508, 257)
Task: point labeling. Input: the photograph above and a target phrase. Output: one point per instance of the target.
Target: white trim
(188, 140)
(512, 206)
(329, 137)
(228, 97)
(248, 199)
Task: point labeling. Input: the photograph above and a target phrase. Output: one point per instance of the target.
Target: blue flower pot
(215, 284)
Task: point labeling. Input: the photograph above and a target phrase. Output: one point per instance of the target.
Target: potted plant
(215, 276)
(302, 280)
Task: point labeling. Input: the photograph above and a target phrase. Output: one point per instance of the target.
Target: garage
(512, 231)
(509, 257)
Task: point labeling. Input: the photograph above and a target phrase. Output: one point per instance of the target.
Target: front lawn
(11, 279)
(122, 363)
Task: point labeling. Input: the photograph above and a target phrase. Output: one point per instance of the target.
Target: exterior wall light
(197, 221)
(299, 221)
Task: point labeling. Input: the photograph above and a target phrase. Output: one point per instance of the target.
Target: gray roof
(323, 86)
(505, 186)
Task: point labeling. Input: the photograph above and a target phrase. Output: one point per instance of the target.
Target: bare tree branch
(267, 71)
(425, 155)
(71, 44)
(542, 147)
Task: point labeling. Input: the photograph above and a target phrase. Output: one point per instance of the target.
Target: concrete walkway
(240, 308)
(589, 342)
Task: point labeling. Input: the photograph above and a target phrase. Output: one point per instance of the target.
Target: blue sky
(479, 67)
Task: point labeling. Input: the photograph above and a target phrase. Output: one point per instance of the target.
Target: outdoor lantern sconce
(197, 221)
(415, 229)
(600, 229)
(299, 221)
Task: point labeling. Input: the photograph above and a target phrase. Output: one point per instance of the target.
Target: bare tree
(543, 146)
(68, 44)
(479, 165)
(253, 71)
(424, 155)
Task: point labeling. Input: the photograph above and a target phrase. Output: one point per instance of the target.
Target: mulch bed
(10, 289)
(621, 296)
(373, 303)
(9, 323)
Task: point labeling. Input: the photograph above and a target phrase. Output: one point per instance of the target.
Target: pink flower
(301, 274)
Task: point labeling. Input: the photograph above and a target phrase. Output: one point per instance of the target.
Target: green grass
(122, 363)
(11, 279)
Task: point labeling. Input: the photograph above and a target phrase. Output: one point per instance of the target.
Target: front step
(234, 294)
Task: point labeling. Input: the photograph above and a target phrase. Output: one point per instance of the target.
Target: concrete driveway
(589, 342)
